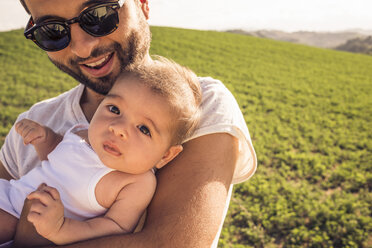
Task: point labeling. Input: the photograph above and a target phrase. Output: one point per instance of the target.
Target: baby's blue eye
(114, 109)
(144, 130)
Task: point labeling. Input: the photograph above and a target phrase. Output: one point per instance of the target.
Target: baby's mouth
(111, 148)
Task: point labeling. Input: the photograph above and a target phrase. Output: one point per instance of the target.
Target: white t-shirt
(220, 114)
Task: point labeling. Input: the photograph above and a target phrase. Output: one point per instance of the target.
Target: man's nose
(119, 130)
(82, 43)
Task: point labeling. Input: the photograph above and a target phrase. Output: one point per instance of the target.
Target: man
(194, 190)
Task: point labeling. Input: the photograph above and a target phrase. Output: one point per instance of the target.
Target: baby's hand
(31, 132)
(46, 211)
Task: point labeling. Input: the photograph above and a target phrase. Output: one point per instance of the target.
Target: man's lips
(99, 67)
(98, 63)
(111, 149)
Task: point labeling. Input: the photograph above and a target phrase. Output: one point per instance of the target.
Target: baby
(99, 179)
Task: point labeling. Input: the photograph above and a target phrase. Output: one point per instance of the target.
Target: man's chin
(101, 85)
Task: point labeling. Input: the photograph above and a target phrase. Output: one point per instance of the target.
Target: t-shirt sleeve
(59, 113)
(5, 157)
(221, 114)
(8, 154)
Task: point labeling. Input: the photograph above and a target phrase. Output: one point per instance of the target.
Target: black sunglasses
(98, 20)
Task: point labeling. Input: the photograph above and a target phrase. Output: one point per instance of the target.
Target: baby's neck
(84, 135)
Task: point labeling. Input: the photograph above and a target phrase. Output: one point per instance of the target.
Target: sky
(285, 15)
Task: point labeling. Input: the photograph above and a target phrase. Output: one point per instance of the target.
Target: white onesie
(73, 168)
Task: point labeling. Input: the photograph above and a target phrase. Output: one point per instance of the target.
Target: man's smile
(99, 67)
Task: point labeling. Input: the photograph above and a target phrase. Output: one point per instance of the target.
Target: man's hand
(47, 214)
(31, 132)
(26, 235)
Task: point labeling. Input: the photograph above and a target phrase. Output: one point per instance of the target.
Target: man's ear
(172, 152)
(145, 8)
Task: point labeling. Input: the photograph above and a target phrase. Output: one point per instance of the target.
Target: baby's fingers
(53, 192)
(33, 217)
(37, 207)
(29, 130)
(20, 125)
(30, 135)
(43, 196)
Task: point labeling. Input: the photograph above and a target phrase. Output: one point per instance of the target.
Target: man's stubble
(137, 48)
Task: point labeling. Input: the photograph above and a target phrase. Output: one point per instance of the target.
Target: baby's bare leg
(8, 224)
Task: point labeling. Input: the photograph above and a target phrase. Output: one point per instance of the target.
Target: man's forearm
(26, 234)
(192, 192)
(188, 206)
(4, 174)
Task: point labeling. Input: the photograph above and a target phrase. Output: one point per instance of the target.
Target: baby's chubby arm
(122, 216)
(41, 137)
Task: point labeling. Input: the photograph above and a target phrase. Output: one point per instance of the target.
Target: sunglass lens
(52, 37)
(100, 21)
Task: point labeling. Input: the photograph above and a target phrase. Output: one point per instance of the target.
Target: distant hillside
(317, 39)
(309, 115)
(357, 45)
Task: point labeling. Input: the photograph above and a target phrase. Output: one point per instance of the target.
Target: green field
(309, 112)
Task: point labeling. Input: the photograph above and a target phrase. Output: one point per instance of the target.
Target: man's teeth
(97, 63)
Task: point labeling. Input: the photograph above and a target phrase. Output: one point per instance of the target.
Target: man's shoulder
(210, 82)
(213, 89)
(53, 107)
(221, 114)
(65, 97)
(217, 100)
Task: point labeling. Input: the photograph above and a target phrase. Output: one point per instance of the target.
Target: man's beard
(137, 47)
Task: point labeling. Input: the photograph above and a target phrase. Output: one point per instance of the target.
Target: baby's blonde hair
(179, 87)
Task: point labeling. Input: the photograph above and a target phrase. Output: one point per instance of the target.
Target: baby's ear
(172, 152)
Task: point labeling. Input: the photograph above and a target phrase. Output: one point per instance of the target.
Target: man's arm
(188, 205)
(4, 174)
(26, 234)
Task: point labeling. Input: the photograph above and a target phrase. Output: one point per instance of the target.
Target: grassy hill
(309, 114)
